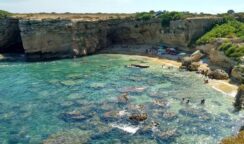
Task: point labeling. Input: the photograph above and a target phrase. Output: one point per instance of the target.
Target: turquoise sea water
(79, 99)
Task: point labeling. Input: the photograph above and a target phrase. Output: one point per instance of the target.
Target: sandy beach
(223, 86)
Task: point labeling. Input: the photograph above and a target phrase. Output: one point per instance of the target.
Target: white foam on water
(126, 128)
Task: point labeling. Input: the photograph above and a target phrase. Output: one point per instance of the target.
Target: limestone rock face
(10, 40)
(44, 39)
(216, 57)
(239, 102)
(58, 38)
(179, 34)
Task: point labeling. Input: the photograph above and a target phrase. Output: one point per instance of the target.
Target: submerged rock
(169, 115)
(135, 107)
(132, 89)
(138, 117)
(74, 136)
(68, 83)
(239, 101)
(66, 103)
(114, 115)
(97, 85)
(74, 116)
(124, 98)
(142, 140)
(140, 65)
(192, 112)
(161, 103)
(168, 134)
(218, 74)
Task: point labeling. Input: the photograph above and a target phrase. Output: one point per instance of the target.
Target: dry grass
(71, 16)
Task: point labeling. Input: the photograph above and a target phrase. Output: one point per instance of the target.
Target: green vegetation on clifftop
(230, 29)
(4, 14)
(232, 50)
(164, 16)
(169, 16)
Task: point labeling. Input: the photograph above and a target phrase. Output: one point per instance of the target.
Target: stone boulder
(218, 74)
(73, 116)
(237, 73)
(239, 101)
(186, 61)
(138, 117)
(193, 66)
(123, 98)
(168, 134)
(196, 56)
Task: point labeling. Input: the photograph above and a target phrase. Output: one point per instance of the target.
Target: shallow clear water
(80, 97)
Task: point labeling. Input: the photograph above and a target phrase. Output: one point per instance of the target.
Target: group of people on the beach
(161, 51)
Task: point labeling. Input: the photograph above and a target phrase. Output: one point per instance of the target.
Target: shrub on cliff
(144, 16)
(232, 50)
(230, 29)
(166, 17)
(4, 14)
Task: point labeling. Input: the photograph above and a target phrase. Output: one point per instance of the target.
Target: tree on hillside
(231, 12)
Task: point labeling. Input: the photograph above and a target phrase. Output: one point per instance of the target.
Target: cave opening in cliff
(16, 48)
(11, 42)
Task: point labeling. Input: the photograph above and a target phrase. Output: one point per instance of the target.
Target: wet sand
(224, 86)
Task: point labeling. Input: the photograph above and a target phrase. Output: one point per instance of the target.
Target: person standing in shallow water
(183, 101)
(188, 101)
(202, 101)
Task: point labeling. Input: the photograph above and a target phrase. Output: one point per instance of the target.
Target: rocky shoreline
(226, 86)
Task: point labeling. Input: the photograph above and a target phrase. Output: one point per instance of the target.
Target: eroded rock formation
(45, 39)
(58, 38)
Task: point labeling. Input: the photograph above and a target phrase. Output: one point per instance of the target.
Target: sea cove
(81, 101)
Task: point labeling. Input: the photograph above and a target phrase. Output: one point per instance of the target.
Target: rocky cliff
(45, 39)
(58, 38)
(179, 34)
(10, 40)
(216, 57)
